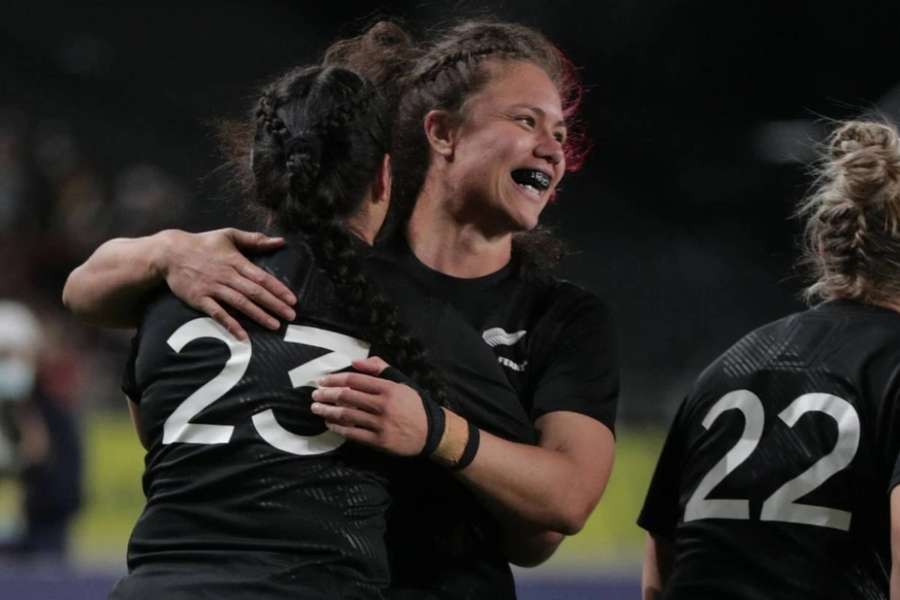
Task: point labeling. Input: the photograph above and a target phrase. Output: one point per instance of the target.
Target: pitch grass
(113, 499)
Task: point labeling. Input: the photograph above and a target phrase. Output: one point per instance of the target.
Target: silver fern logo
(497, 336)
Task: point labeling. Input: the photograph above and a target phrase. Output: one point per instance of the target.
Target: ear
(440, 132)
(381, 188)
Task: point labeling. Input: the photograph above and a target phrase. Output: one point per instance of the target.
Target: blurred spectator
(145, 200)
(40, 436)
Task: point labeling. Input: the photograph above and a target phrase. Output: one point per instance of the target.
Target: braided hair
(852, 232)
(321, 135)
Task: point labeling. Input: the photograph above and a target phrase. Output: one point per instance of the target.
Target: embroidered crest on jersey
(497, 336)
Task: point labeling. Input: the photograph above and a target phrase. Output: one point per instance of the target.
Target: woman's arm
(657, 567)
(134, 410)
(205, 270)
(895, 543)
(553, 486)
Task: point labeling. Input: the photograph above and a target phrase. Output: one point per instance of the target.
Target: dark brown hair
(320, 136)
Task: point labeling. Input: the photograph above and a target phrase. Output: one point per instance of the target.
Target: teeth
(530, 189)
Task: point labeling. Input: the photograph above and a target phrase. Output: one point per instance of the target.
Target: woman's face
(508, 149)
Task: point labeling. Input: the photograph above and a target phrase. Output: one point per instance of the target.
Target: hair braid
(852, 240)
(321, 135)
(366, 304)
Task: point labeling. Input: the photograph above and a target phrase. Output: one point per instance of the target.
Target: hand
(206, 269)
(373, 411)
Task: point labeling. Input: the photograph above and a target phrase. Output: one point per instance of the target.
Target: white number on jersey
(781, 505)
(179, 428)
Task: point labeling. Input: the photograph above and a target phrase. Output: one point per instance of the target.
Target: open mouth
(532, 181)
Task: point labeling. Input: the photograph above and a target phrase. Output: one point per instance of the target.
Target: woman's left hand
(370, 410)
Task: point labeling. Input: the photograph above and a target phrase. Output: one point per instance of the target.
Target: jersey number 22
(781, 505)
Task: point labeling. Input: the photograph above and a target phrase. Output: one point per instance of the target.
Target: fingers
(354, 434)
(357, 381)
(343, 415)
(253, 240)
(342, 396)
(221, 316)
(258, 290)
(268, 281)
(240, 302)
(373, 365)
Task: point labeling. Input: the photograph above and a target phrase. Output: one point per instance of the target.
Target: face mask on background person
(16, 378)
(20, 340)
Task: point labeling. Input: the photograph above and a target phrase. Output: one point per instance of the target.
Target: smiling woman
(503, 161)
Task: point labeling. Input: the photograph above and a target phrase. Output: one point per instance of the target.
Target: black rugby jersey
(248, 495)
(511, 349)
(774, 480)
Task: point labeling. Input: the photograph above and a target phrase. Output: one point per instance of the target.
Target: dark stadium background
(702, 116)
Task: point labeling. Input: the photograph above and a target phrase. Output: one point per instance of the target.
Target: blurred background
(703, 118)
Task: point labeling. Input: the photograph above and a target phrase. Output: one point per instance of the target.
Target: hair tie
(307, 143)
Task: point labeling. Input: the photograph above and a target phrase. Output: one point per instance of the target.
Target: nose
(550, 149)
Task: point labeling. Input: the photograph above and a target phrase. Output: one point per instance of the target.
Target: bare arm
(538, 493)
(895, 543)
(554, 485)
(134, 410)
(108, 289)
(205, 270)
(658, 554)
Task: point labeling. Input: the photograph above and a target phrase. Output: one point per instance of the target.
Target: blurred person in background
(778, 478)
(39, 442)
(482, 132)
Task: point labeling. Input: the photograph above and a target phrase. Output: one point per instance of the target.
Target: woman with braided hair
(774, 480)
(248, 495)
(481, 139)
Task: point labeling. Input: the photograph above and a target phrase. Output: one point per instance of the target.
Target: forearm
(549, 488)
(533, 484)
(110, 287)
(895, 581)
(656, 568)
(527, 547)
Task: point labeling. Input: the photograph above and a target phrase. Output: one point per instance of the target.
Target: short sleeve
(580, 371)
(129, 373)
(661, 510)
(895, 476)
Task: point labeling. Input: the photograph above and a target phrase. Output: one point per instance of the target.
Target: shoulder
(564, 305)
(289, 263)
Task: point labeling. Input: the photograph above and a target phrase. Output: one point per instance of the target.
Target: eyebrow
(541, 112)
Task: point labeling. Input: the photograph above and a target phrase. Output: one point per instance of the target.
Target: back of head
(320, 136)
(852, 234)
(383, 54)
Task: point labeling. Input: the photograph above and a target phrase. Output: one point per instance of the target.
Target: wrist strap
(434, 415)
(470, 450)
(437, 423)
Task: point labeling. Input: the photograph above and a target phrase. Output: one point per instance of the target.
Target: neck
(364, 223)
(446, 241)
(892, 304)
